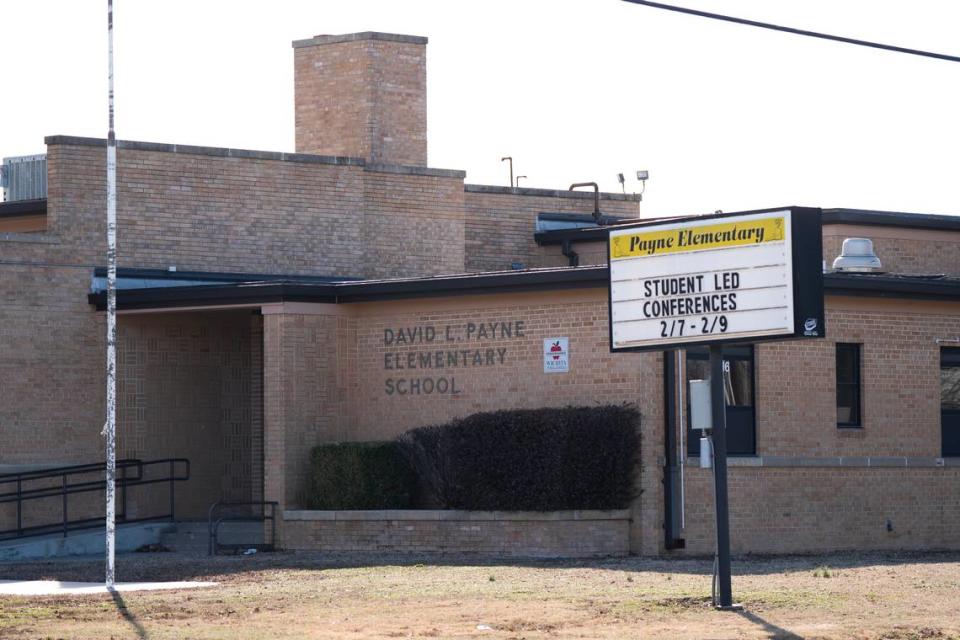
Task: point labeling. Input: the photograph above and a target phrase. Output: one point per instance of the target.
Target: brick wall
(362, 95)
(588, 253)
(209, 212)
(52, 363)
(184, 390)
(801, 499)
(255, 212)
(568, 534)
(900, 250)
(303, 402)
(413, 225)
(325, 375)
(391, 387)
(791, 510)
(500, 223)
(796, 399)
(492, 370)
(330, 376)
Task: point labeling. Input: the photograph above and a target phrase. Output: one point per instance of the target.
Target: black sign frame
(806, 234)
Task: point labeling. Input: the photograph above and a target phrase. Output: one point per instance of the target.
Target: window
(950, 401)
(738, 391)
(848, 385)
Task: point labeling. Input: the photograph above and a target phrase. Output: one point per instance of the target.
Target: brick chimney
(362, 95)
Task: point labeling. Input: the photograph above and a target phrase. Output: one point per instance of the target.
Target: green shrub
(360, 475)
(530, 460)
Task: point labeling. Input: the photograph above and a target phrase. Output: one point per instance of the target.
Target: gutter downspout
(572, 256)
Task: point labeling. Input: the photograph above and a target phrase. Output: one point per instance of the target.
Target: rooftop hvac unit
(24, 178)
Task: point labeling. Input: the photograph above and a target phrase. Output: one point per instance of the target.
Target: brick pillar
(362, 95)
(256, 407)
(274, 432)
(303, 406)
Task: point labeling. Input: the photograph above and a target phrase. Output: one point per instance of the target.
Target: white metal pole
(110, 428)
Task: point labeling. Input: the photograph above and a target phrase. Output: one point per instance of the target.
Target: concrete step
(187, 537)
(130, 537)
(193, 537)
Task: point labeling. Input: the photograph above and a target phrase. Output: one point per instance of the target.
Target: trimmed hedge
(360, 475)
(530, 460)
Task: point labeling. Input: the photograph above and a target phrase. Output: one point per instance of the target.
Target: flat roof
(18, 208)
(281, 289)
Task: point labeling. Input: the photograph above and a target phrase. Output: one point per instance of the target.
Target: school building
(272, 301)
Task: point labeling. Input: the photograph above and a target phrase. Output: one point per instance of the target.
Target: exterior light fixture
(510, 158)
(642, 176)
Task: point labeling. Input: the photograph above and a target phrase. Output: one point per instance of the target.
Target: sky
(724, 117)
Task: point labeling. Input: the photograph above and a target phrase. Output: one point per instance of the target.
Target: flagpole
(110, 428)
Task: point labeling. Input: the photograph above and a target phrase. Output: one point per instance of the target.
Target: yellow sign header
(714, 236)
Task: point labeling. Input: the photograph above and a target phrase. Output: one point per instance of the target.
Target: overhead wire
(799, 32)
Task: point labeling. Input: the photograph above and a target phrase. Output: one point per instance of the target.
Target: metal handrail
(213, 526)
(178, 471)
(75, 468)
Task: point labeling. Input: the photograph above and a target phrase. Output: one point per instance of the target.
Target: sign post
(710, 280)
(718, 406)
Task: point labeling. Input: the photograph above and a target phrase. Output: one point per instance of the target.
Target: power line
(799, 32)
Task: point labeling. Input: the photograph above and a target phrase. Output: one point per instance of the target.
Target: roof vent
(857, 256)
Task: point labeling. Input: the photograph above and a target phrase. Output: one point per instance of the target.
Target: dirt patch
(311, 595)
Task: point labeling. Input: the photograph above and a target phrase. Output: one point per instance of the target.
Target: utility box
(701, 417)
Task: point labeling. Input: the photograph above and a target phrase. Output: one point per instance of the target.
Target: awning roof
(297, 289)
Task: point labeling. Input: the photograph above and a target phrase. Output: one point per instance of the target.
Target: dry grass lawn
(309, 595)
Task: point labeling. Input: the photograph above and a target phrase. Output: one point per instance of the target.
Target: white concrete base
(57, 588)
(83, 543)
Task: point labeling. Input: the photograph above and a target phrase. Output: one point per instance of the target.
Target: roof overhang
(252, 294)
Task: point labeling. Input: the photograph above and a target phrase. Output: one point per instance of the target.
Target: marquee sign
(722, 278)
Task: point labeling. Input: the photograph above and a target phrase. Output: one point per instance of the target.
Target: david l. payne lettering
(403, 358)
(394, 360)
(421, 386)
(473, 330)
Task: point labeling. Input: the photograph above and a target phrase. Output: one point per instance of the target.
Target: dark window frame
(856, 421)
(949, 417)
(741, 352)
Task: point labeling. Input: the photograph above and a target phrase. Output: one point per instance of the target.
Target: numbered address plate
(701, 280)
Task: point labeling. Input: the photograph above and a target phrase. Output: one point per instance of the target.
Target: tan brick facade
(499, 223)
(246, 391)
(185, 391)
(798, 441)
(568, 534)
(900, 250)
(362, 95)
(804, 497)
(225, 210)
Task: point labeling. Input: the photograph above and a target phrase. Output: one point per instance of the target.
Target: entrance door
(950, 401)
(738, 391)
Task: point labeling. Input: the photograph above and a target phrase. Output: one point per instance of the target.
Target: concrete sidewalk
(56, 588)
